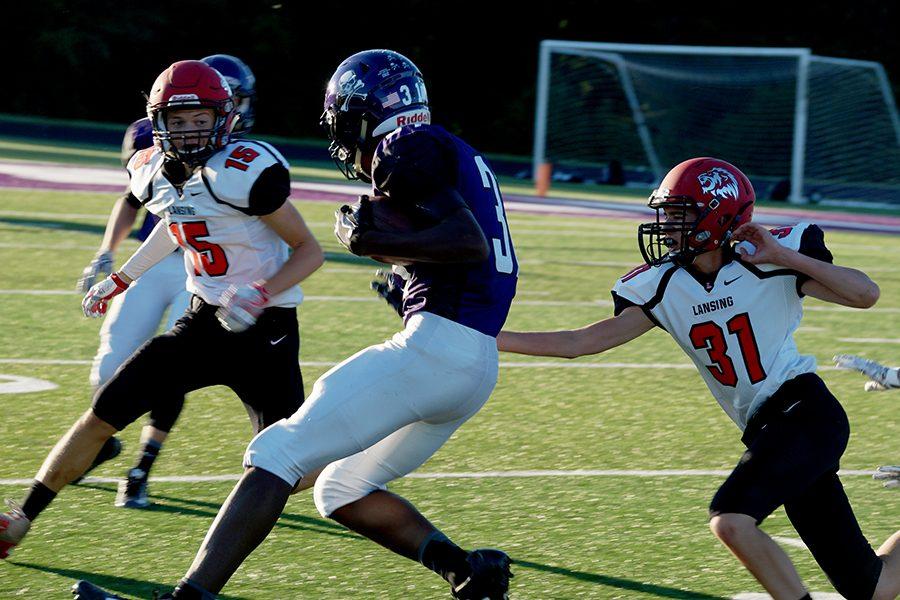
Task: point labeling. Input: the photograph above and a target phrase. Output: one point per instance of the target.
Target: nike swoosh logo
(730, 281)
(196, 193)
(278, 340)
(788, 409)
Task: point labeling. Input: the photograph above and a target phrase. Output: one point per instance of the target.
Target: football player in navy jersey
(733, 311)
(384, 411)
(134, 316)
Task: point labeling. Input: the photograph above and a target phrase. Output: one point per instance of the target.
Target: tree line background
(91, 59)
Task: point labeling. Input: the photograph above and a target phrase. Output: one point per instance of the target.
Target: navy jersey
(413, 165)
(139, 136)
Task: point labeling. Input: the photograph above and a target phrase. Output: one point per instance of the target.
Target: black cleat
(85, 590)
(132, 491)
(489, 579)
(111, 449)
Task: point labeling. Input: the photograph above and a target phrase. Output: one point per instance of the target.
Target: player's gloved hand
(102, 263)
(351, 222)
(389, 286)
(96, 301)
(890, 476)
(882, 378)
(241, 306)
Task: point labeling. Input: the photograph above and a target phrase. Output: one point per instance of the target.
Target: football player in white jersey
(226, 205)
(733, 312)
(135, 315)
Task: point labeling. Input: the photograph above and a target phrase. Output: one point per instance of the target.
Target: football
(388, 215)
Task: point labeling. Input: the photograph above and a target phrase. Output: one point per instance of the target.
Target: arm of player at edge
(593, 339)
(307, 255)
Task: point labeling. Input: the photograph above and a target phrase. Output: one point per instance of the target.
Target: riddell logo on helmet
(183, 98)
(421, 117)
(719, 183)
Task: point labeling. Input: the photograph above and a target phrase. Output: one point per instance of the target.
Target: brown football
(387, 215)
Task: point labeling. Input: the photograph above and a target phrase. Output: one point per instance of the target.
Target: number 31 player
(734, 312)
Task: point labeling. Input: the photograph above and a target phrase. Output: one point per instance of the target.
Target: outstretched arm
(828, 282)
(592, 339)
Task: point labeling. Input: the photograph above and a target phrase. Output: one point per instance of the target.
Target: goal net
(801, 126)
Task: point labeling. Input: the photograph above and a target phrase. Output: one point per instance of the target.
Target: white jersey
(215, 217)
(738, 328)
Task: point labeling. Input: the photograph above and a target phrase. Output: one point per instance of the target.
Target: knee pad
(336, 488)
(270, 450)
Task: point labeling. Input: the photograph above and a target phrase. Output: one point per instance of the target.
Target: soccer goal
(803, 127)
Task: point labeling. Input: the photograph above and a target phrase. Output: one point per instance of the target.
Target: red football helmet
(191, 84)
(720, 194)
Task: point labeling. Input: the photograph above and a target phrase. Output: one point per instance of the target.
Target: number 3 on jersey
(207, 257)
(710, 337)
(502, 252)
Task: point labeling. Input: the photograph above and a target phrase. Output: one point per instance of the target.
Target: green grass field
(571, 537)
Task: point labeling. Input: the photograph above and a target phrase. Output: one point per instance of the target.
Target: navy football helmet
(243, 85)
(370, 94)
(138, 136)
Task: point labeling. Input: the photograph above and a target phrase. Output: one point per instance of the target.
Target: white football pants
(382, 412)
(134, 316)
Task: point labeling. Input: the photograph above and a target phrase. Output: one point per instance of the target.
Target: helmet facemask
(196, 145)
(655, 239)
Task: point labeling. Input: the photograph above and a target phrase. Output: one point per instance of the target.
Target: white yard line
(503, 364)
(473, 475)
(373, 298)
(870, 340)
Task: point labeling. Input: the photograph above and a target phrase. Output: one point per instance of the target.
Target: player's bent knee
(89, 421)
(731, 528)
(332, 491)
(271, 450)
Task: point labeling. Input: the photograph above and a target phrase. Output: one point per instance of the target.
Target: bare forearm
(539, 343)
(852, 285)
(119, 225)
(303, 262)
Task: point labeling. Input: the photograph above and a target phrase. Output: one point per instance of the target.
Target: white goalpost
(801, 126)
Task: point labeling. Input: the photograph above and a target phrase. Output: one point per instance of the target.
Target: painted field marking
(528, 474)
(16, 384)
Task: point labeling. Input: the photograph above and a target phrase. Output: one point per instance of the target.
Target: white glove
(882, 378)
(890, 476)
(241, 306)
(96, 301)
(102, 263)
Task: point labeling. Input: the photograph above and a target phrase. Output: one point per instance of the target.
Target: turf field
(614, 535)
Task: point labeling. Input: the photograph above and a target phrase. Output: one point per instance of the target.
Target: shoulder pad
(413, 162)
(641, 283)
(141, 169)
(789, 236)
(232, 171)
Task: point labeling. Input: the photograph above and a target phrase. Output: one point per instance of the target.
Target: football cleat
(85, 590)
(111, 449)
(13, 527)
(489, 579)
(132, 491)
